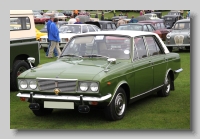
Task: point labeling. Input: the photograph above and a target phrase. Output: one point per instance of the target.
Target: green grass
(172, 112)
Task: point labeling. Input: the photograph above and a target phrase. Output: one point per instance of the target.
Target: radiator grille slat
(65, 86)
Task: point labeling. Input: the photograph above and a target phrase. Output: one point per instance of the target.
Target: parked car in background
(142, 18)
(41, 19)
(179, 36)
(60, 23)
(159, 14)
(104, 25)
(106, 69)
(23, 44)
(39, 34)
(158, 25)
(67, 13)
(152, 16)
(39, 11)
(60, 16)
(83, 18)
(49, 12)
(171, 18)
(148, 27)
(67, 31)
(36, 14)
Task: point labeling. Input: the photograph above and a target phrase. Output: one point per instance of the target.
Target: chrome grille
(47, 85)
(178, 39)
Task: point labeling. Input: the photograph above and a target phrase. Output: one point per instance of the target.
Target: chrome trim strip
(179, 70)
(177, 45)
(146, 92)
(38, 78)
(64, 97)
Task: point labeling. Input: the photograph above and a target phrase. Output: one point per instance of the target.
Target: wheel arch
(125, 86)
(171, 74)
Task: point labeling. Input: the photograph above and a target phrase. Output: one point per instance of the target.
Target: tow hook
(83, 108)
(32, 105)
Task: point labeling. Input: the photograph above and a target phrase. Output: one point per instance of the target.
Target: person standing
(54, 37)
(141, 13)
(120, 22)
(102, 16)
(72, 20)
(121, 14)
(133, 20)
(48, 30)
(96, 16)
(78, 21)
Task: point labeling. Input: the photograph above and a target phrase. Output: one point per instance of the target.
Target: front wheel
(116, 109)
(166, 87)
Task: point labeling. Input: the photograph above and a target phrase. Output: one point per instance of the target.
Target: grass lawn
(172, 112)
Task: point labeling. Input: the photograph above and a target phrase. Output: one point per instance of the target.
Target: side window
(158, 25)
(135, 57)
(113, 26)
(152, 46)
(162, 25)
(90, 29)
(145, 28)
(84, 29)
(19, 23)
(140, 46)
(108, 26)
(150, 28)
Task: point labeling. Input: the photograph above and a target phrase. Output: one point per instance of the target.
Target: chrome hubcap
(120, 104)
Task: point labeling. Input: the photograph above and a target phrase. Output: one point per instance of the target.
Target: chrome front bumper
(65, 97)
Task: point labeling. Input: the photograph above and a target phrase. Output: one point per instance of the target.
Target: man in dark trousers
(48, 30)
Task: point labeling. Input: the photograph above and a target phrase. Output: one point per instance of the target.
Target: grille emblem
(56, 91)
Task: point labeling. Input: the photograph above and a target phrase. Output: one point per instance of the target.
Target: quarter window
(140, 46)
(152, 46)
(84, 30)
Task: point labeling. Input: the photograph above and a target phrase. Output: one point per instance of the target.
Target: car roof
(152, 21)
(76, 24)
(121, 32)
(136, 23)
(184, 20)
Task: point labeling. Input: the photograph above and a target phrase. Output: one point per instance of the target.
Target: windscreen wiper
(94, 55)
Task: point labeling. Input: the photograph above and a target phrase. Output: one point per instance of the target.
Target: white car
(152, 16)
(67, 31)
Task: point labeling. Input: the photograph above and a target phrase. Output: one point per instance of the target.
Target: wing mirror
(31, 60)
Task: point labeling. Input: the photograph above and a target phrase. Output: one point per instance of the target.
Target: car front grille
(178, 39)
(65, 86)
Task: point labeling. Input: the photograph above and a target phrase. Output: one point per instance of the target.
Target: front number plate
(59, 105)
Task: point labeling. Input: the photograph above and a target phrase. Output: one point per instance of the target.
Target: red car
(41, 19)
(158, 24)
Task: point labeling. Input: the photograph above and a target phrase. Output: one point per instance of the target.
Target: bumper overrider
(60, 101)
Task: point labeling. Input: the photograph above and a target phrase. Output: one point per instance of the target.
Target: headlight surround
(84, 86)
(168, 36)
(23, 84)
(94, 87)
(33, 84)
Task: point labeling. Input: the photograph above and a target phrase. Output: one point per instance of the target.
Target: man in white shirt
(72, 20)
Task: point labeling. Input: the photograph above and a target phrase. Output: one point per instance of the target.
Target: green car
(106, 69)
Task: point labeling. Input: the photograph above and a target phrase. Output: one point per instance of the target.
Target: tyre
(42, 111)
(45, 49)
(165, 91)
(116, 109)
(18, 67)
(170, 48)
